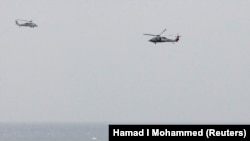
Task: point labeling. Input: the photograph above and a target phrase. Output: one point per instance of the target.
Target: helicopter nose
(151, 40)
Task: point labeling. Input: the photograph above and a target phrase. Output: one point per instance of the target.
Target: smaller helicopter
(159, 39)
(26, 23)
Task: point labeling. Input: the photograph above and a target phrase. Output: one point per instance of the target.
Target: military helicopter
(26, 23)
(159, 39)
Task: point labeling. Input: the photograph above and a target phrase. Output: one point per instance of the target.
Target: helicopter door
(158, 39)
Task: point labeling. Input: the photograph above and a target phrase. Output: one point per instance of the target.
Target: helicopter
(26, 23)
(159, 39)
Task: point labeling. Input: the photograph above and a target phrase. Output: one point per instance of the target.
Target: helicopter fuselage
(159, 39)
(29, 24)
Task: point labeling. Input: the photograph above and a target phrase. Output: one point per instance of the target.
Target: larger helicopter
(159, 39)
(26, 23)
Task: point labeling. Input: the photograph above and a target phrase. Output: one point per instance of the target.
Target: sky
(88, 61)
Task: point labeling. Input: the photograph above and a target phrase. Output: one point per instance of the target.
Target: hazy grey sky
(88, 61)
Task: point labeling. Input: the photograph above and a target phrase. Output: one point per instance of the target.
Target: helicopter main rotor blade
(150, 34)
(23, 20)
(163, 31)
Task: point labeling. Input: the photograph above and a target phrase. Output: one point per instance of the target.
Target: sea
(53, 132)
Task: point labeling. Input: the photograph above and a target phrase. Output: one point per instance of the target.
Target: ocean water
(53, 132)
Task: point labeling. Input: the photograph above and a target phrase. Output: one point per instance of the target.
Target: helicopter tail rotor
(177, 37)
(17, 22)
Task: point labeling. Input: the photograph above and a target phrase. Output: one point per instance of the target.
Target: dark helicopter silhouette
(26, 23)
(159, 39)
